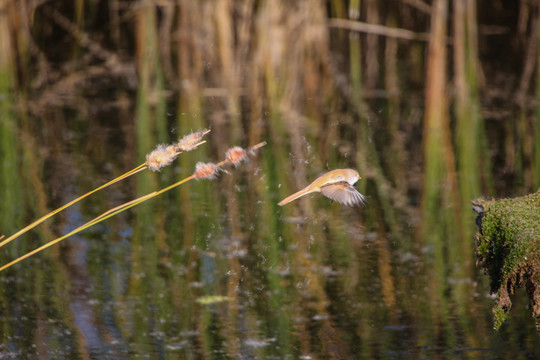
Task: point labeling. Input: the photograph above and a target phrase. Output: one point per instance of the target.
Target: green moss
(499, 316)
(508, 247)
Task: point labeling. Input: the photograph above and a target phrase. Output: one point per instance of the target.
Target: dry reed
(202, 171)
(162, 156)
(206, 171)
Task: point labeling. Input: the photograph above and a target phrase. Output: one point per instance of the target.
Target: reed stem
(52, 213)
(187, 143)
(117, 210)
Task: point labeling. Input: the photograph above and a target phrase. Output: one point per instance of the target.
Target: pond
(215, 268)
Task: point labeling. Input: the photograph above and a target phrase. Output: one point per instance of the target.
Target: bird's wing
(343, 193)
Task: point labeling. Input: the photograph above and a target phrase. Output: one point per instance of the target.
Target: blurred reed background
(434, 102)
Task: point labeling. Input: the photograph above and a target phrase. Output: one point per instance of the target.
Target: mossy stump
(508, 248)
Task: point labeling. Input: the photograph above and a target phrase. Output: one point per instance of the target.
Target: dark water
(215, 269)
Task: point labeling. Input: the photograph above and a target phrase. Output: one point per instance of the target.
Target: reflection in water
(313, 280)
(334, 284)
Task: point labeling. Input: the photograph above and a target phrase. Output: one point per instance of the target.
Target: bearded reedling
(336, 185)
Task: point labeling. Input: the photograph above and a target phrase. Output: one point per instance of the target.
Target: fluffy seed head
(205, 171)
(160, 157)
(236, 154)
(191, 141)
(171, 150)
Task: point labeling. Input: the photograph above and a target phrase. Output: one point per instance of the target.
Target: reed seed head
(236, 154)
(191, 141)
(164, 155)
(160, 157)
(205, 171)
(171, 150)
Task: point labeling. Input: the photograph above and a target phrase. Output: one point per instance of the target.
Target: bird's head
(352, 176)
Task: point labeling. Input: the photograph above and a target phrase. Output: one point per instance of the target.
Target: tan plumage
(336, 185)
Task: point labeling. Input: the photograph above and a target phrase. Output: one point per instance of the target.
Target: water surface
(216, 269)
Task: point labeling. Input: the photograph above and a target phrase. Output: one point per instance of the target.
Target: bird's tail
(295, 196)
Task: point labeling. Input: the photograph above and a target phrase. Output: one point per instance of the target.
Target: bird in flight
(336, 185)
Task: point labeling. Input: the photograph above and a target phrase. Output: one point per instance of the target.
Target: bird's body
(336, 185)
